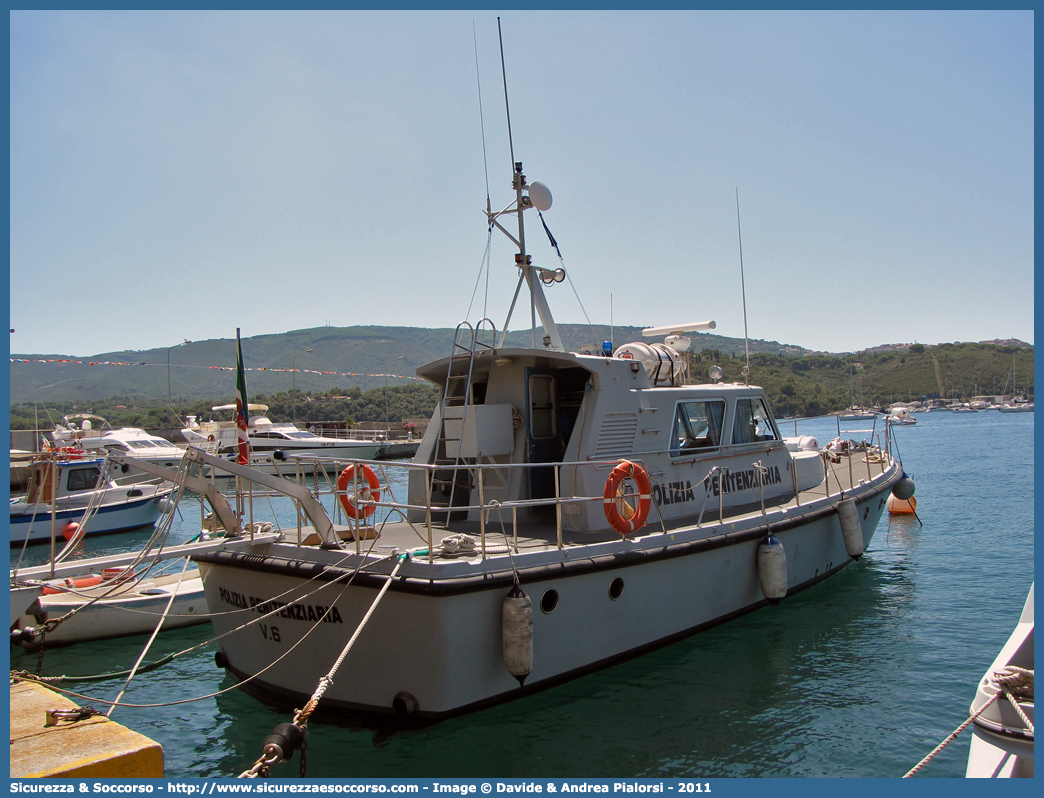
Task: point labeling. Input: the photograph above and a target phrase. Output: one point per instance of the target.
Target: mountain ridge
(365, 356)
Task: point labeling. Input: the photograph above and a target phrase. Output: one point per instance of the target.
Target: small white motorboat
(901, 417)
(1021, 407)
(129, 593)
(272, 444)
(63, 488)
(111, 605)
(857, 413)
(77, 429)
(1002, 741)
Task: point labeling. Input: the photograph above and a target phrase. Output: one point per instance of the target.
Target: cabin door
(542, 440)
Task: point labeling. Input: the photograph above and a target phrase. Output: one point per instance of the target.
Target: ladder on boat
(453, 478)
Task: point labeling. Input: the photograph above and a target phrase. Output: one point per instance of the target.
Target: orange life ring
(210, 438)
(371, 490)
(615, 506)
(65, 585)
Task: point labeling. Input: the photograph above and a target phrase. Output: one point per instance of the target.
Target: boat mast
(524, 262)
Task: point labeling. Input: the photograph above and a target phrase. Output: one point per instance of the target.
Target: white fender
(851, 529)
(772, 569)
(517, 618)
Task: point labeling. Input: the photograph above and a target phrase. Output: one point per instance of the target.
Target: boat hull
(126, 613)
(1002, 745)
(434, 647)
(118, 517)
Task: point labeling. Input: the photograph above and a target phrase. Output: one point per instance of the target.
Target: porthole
(549, 601)
(616, 588)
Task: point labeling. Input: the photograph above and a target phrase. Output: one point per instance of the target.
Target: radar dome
(540, 195)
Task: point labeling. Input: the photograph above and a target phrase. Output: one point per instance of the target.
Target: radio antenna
(507, 108)
(482, 122)
(743, 290)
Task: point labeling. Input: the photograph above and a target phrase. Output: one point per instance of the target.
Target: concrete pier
(398, 450)
(94, 747)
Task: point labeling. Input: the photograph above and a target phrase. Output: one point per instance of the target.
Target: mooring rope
(1010, 682)
(292, 734)
(152, 639)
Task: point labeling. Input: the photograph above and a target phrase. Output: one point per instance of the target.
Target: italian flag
(241, 406)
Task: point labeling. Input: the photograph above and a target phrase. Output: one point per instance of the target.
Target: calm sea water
(859, 676)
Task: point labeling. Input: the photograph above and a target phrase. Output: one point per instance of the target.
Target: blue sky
(175, 175)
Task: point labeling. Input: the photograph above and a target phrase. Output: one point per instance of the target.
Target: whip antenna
(507, 108)
(482, 122)
(485, 169)
(743, 290)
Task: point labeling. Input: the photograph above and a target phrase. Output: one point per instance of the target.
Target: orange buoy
(71, 530)
(902, 506)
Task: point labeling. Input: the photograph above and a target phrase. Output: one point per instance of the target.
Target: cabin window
(697, 425)
(82, 478)
(753, 422)
(541, 406)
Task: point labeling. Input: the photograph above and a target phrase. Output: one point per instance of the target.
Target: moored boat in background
(62, 490)
(900, 417)
(1016, 407)
(273, 445)
(72, 599)
(77, 429)
(111, 605)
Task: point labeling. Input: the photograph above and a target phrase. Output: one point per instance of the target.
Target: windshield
(753, 422)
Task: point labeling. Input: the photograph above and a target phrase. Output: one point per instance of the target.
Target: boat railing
(484, 502)
(323, 469)
(368, 435)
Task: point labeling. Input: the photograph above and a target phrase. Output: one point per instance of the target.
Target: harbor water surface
(859, 676)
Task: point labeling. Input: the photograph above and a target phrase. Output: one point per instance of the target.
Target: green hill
(369, 374)
(354, 356)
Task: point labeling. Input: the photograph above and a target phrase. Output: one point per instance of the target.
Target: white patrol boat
(564, 511)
